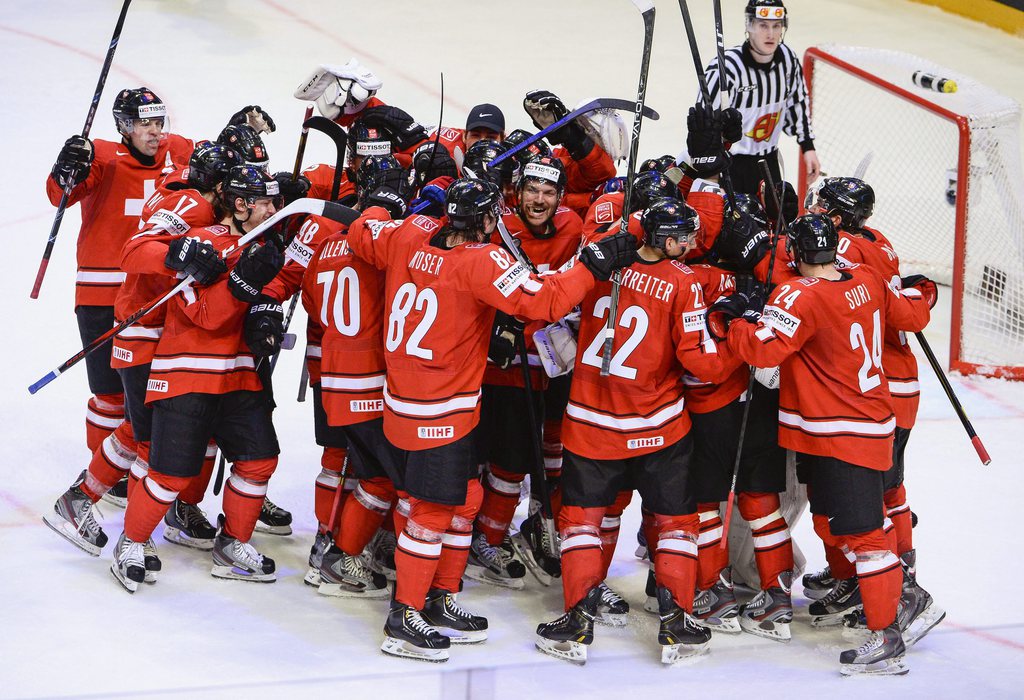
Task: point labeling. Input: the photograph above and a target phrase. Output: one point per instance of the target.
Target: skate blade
(683, 654)
(609, 619)
(924, 623)
(312, 577)
(775, 631)
(236, 574)
(526, 554)
(116, 501)
(484, 575)
(176, 536)
(279, 530)
(832, 619)
(887, 667)
(403, 650)
(66, 530)
(573, 652)
(128, 584)
(341, 590)
(725, 625)
(463, 636)
(151, 577)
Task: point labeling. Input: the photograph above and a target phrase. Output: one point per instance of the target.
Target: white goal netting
(946, 170)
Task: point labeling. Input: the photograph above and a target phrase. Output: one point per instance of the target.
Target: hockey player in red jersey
(112, 180)
(849, 202)
(631, 430)
(824, 331)
(185, 201)
(203, 384)
(443, 283)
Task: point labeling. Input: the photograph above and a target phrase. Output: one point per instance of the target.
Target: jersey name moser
(426, 262)
(646, 284)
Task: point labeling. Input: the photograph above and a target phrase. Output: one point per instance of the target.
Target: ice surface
(70, 630)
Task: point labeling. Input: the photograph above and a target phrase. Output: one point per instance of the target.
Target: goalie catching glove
(195, 258)
(264, 326)
(339, 90)
(556, 345)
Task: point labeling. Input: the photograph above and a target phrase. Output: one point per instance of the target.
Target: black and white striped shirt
(765, 94)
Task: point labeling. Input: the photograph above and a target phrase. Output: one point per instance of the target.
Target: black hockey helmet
(849, 197)
(250, 183)
(744, 235)
(137, 103)
(614, 184)
(668, 217)
(244, 140)
(812, 239)
(660, 164)
(209, 164)
(366, 140)
(379, 171)
(766, 9)
(478, 161)
(535, 149)
(544, 169)
(649, 186)
(468, 200)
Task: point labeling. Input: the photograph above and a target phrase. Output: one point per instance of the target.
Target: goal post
(949, 189)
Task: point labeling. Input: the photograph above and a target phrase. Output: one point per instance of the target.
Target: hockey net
(946, 170)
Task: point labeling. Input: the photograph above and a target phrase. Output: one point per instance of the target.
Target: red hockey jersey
(826, 338)
(440, 307)
(112, 197)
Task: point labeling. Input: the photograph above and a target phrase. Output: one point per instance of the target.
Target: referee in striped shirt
(765, 82)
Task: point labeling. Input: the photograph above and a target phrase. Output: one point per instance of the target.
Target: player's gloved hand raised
(196, 258)
(505, 334)
(292, 189)
(389, 199)
(264, 326)
(723, 311)
(254, 116)
(429, 163)
(430, 202)
(732, 125)
(928, 288)
(259, 264)
(704, 141)
(544, 107)
(609, 254)
(404, 131)
(73, 162)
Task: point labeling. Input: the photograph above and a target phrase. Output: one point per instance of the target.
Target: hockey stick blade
(331, 210)
(335, 133)
(593, 105)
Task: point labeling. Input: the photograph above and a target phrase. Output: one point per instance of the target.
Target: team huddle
(459, 291)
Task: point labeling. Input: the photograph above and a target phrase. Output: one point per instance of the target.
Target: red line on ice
(68, 47)
(987, 635)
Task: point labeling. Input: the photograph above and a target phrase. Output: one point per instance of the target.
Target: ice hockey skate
(716, 607)
(881, 655)
(234, 559)
(683, 640)
(151, 560)
(186, 524)
(443, 612)
(129, 566)
(321, 543)
(407, 635)
(843, 599)
(641, 545)
(346, 576)
(613, 610)
(274, 520)
(818, 584)
(117, 495)
(569, 636)
(538, 549)
(651, 591)
(768, 615)
(73, 520)
(379, 554)
(918, 613)
(496, 565)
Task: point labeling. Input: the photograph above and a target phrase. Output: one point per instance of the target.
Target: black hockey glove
(609, 254)
(790, 203)
(924, 285)
(732, 125)
(196, 258)
(505, 335)
(723, 311)
(401, 128)
(292, 189)
(545, 108)
(386, 197)
(258, 265)
(264, 326)
(753, 290)
(430, 163)
(73, 162)
(254, 116)
(704, 141)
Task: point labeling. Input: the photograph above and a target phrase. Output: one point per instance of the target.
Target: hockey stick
(646, 8)
(66, 194)
(731, 500)
(331, 210)
(342, 475)
(953, 400)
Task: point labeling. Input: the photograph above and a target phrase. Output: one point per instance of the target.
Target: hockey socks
(326, 490)
(841, 562)
(500, 500)
(879, 574)
(582, 561)
(102, 416)
(110, 462)
(364, 512)
(196, 490)
(711, 557)
(773, 548)
(149, 503)
(456, 540)
(244, 494)
(675, 557)
(610, 524)
(897, 510)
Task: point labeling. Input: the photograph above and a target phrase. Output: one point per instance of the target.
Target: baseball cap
(487, 116)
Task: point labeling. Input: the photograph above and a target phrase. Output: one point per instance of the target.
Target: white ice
(69, 630)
